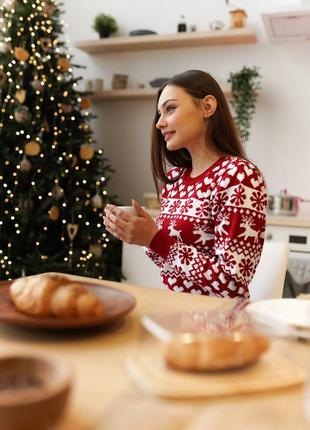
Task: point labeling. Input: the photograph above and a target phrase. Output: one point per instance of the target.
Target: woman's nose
(161, 123)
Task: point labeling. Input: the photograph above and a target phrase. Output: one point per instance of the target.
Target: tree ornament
(87, 152)
(96, 249)
(9, 4)
(72, 230)
(85, 103)
(96, 201)
(57, 192)
(21, 114)
(3, 78)
(25, 165)
(46, 125)
(37, 85)
(54, 213)
(20, 96)
(49, 8)
(66, 108)
(74, 161)
(25, 204)
(64, 64)
(32, 148)
(45, 43)
(21, 54)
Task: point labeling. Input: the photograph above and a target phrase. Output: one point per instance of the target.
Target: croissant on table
(49, 294)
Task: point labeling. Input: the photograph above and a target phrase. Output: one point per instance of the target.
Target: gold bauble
(20, 96)
(64, 64)
(21, 54)
(3, 78)
(66, 108)
(85, 103)
(49, 9)
(87, 152)
(53, 213)
(37, 85)
(32, 148)
(96, 249)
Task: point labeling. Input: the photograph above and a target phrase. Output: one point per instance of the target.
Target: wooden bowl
(33, 392)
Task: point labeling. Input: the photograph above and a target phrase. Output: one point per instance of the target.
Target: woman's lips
(168, 135)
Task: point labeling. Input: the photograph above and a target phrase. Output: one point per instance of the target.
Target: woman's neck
(202, 160)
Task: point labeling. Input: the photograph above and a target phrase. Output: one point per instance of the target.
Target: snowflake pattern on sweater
(211, 229)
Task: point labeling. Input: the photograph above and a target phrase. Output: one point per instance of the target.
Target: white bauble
(96, 201)
(25, 165)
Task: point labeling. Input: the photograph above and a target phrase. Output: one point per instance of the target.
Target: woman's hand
(137, 229)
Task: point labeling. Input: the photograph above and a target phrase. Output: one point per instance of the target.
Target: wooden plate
(116, 303)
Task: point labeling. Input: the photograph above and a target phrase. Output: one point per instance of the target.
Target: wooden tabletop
(105, 398)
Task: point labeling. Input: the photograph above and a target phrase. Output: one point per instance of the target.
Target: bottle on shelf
(182, 27)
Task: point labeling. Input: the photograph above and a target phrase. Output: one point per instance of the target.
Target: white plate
(292, 313)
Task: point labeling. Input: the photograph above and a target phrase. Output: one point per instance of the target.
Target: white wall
(279, 142)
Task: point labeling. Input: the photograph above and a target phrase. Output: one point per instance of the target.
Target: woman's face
(181, 119)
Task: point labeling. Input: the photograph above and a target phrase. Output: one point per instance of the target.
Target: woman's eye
(170, 108)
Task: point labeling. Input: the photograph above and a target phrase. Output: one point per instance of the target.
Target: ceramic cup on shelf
(88, 85)
(97, 84)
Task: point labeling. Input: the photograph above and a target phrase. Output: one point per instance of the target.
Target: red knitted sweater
(211, 229)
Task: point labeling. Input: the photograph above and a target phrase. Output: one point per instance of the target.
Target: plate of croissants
(54, 301)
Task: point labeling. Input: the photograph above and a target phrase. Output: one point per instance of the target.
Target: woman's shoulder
(175, 172)
(232, 165)
(240, 170)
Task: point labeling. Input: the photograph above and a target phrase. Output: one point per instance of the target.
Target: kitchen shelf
(177, 40)
(132, 94)
(126, 94)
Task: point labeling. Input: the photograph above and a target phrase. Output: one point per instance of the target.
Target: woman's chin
(172, 146)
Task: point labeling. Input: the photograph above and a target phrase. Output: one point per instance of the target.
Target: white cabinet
(140, 270)
(293, 230)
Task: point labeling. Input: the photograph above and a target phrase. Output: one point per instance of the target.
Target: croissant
(214, 352)
(56, 295)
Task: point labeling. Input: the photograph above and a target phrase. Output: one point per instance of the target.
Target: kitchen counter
(288, 221)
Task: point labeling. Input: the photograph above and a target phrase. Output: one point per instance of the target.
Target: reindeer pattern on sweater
(211, 229)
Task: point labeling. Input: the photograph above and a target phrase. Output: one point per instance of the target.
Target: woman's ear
(209, 106)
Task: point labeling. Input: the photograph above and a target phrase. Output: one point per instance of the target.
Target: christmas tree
(52, 178)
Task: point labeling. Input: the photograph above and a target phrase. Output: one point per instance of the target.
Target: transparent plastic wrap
(211, 340)
(208, 353)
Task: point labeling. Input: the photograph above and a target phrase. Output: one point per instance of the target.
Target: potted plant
(105, 25)
(245, 85)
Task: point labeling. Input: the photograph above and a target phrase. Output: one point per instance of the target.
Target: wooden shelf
(177, 40)
(126, 94)
(132, 94)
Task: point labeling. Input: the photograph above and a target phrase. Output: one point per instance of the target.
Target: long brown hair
(222, 134)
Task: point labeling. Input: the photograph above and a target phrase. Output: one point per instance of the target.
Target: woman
(209, 234)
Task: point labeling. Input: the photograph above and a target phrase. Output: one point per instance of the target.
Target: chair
(268, 281)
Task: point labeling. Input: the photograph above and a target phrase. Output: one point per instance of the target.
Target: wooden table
(105, 398)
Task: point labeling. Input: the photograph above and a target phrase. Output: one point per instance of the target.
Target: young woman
(209, 234)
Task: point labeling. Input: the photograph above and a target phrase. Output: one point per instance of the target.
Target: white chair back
(268, 281)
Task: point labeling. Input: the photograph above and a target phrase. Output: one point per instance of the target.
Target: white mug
(129, 209)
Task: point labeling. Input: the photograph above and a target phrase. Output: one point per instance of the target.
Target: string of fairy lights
(44, 49)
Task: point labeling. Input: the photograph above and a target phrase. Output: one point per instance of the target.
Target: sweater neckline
(187, 178)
